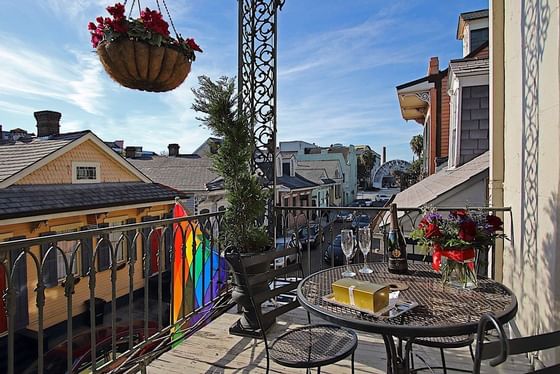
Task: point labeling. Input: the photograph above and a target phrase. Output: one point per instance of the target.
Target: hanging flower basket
(139, 53)
(138, 65)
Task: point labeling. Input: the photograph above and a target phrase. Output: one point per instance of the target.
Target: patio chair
(497, 351)
(310, 346)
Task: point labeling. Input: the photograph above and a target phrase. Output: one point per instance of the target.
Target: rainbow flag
(196, 279)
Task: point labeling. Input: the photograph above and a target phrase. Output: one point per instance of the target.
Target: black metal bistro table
(441, 311)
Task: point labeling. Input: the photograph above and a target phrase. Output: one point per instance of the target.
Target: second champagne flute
(347, 242)
(364, 240)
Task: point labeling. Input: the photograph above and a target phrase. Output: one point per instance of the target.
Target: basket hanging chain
(168, 15)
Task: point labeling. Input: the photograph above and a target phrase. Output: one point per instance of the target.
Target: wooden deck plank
(213, 350)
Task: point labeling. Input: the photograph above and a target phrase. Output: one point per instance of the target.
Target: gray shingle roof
(31, 200)
(468, 65)
(182, 173)
(476, 14)
(17, 156)
(295, 182)
(437, 184)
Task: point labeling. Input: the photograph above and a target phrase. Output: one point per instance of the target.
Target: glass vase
(459, 273)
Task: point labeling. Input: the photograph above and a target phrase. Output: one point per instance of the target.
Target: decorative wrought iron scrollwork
(257, 73)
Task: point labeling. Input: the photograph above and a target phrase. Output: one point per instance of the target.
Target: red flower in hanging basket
(139, 52)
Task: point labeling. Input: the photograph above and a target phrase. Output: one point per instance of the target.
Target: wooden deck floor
(212, 350)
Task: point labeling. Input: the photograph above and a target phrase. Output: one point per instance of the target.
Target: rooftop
(32, 200)
(16, 156)
(187, 174)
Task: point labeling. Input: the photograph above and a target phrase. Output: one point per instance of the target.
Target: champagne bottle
(396, 245)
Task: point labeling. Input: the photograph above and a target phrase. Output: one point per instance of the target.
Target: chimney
(48, 123)
(130, 152)
(433, 67)
(384, 155)
(173, 149)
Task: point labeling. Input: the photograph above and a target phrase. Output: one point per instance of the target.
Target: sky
(338, 64)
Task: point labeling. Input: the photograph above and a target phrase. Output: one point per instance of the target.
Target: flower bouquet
(456, 241)
(140, 53)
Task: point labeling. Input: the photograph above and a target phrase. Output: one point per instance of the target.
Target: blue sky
(339, 62)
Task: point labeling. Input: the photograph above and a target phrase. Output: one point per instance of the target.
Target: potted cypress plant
(242, 230)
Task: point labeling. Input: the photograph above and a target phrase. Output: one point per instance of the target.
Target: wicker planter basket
(138, 65)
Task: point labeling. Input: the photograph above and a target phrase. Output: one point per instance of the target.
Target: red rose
(432, 231)
(467, 231)
(192, 45)
(459, 213)
(495, 222)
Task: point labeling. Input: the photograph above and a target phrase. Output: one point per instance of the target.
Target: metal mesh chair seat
(313, 346)
(446, 341)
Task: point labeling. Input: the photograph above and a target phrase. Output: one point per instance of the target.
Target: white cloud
(27, 73)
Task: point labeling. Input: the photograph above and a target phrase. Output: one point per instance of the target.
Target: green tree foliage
(217, 102)
(365, 164)
(417, 145)
(415, 172)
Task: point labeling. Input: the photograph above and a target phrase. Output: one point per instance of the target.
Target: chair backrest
(498, 351)
(282, 281)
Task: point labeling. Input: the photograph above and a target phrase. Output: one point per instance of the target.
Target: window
(122, 248)
(478, 37)
(85, 172)
(67, 247)
(286, 169)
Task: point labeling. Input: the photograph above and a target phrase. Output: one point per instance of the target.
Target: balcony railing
(138, 273)
(325, 224)
(128, 267)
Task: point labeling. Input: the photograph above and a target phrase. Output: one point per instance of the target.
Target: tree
(417, 145)
(415, 171)
(365, 164)
(216, 101)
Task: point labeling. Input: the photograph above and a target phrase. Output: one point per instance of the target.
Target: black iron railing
(317, 229)
(126, 271)
(50, 278)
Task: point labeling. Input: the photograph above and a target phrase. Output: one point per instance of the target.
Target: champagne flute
(347, 242)
(364, 240)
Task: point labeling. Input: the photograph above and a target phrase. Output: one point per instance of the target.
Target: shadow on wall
(535, 15)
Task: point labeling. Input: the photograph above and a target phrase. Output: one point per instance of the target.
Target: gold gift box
(362, 294)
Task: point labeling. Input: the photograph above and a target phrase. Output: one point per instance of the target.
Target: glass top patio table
(441, 311)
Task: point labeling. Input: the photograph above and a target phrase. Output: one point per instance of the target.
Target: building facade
(524, 171)
(59, 183)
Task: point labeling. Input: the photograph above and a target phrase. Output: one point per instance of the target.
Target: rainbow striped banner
(197, 279)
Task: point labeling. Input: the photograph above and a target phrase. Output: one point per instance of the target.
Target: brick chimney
(48, 122)
(384, 155)
(130, 152)
(433, 67)
(173, 149)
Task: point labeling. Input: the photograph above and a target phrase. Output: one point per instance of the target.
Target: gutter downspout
(497, 114)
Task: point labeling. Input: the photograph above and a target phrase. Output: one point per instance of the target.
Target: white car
(280, 245)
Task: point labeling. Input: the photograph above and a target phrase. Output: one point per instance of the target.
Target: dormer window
(85, 172)
(478, 38)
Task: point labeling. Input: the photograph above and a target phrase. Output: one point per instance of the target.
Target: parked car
(335, 249)
(361, 220)
(343, 216)
(311, 235)
(382, 197)
(281, 243)
(361, 202)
